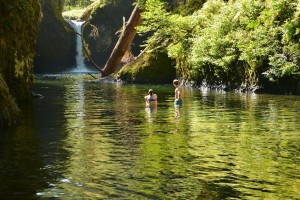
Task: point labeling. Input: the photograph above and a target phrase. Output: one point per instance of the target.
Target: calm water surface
(88, 140)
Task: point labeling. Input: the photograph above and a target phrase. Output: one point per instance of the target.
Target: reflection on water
(88, 140)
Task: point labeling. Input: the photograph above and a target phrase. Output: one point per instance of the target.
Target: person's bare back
(178, 100)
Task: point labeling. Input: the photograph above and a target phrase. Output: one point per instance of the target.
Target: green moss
(154, 67)
(9, 111)
(17, 47)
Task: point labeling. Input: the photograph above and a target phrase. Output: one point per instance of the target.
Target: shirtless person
(178, 100)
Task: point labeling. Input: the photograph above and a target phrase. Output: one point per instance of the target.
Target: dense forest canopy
(237, 43)
(240, 42)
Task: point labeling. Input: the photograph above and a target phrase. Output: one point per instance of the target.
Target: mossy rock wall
(10, 111)
(56, 43)
(108, 18)
(150, 68)
(18, 29)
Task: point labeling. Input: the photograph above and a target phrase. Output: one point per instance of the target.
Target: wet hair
(150, 92)
(175, 82)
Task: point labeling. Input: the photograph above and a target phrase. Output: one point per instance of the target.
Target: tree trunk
(123, 43)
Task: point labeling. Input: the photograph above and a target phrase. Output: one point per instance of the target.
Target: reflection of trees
(222, 145)
(21, 163)
(87, 150)
(238, 140)
(164, 166)
(100, 125)
(161, 169)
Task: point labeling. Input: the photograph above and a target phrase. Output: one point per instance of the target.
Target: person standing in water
(151, 99)
(178, 100)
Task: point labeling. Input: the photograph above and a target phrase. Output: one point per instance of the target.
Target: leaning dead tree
(122, 47)
(123, 44)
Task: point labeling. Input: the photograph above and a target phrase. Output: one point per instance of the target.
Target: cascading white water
(80, 65)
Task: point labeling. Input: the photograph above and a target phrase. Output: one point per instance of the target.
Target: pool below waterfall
(91, 140)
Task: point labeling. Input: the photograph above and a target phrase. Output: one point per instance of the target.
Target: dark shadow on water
(21, 160)
(211, 191)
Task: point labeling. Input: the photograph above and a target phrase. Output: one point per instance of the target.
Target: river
(89, 140)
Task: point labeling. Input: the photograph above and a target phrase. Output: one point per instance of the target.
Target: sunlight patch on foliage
(234, 42)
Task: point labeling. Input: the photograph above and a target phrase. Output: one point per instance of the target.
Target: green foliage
(75, 4)
(190, 6)
(239, 42)
(148, 69)
(81, 4)
(73, 14)
(168, 31)
(155, 20)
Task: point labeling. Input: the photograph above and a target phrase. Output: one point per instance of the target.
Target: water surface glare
(87, 140)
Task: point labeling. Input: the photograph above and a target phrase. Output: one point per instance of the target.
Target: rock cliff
(108, 18)
(55, 50)
(18, 29)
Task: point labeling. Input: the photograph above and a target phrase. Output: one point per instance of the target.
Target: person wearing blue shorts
(178, 100)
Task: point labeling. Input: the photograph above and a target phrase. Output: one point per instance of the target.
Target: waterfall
(80, 65)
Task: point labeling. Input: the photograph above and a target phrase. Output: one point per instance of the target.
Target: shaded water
(89, 140)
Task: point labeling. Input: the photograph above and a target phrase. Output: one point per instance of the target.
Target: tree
(124, 42)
